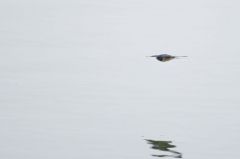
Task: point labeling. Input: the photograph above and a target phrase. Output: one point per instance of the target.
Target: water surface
(75, 81)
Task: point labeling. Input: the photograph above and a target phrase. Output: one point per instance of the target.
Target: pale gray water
(75, 82)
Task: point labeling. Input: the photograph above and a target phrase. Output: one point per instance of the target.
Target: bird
(165, 57)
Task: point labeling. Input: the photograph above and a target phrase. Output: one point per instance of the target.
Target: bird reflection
(164, 146)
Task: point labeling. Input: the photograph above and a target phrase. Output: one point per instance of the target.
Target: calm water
(75, 81)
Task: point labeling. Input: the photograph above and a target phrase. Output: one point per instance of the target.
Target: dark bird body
(166, 57)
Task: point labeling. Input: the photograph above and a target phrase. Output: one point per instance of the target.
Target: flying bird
(165, 57)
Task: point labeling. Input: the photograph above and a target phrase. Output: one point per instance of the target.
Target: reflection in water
(164, 146)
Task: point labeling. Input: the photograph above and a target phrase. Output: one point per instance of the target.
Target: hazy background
(75, 81)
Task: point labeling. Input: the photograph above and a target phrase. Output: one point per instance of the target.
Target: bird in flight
(166, 57)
